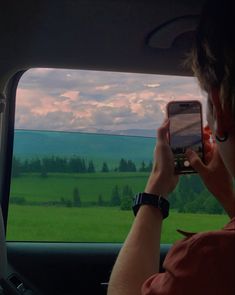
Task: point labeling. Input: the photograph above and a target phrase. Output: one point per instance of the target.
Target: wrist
(150, 210)
(156, 201)
(227, 201)
(229, 206)
(156, 186)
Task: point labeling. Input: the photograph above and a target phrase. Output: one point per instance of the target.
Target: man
(203, 263)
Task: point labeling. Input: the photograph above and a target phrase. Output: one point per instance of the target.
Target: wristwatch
(153, 200)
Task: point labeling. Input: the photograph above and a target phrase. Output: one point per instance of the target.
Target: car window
(83, 147)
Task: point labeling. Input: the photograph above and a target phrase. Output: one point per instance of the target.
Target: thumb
(195, 161)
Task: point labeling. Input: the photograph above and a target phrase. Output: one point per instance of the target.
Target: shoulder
(208, 248)
(215, 239)
(204, 261)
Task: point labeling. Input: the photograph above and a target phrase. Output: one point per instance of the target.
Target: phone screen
(185, 132)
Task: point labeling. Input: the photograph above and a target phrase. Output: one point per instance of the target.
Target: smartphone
(185, 132)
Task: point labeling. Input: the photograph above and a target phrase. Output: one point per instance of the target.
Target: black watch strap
(153, 200)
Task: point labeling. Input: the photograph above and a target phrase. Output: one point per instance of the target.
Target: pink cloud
(91, 102)
(72, 95)
(104, 87)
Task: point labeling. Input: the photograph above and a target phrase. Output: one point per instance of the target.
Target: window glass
(83, 147)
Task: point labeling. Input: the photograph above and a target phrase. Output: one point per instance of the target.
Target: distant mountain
(128, 132)
(28, 144)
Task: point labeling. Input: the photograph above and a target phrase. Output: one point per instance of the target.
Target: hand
(214, 173)
(162, 179)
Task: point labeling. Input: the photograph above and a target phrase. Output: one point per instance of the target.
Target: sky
(92, 101)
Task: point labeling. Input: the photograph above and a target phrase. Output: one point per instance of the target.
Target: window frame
(7, 124)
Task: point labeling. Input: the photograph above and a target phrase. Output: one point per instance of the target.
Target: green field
(31, 222)
(47, 213)
(37, 223)
(55, 186)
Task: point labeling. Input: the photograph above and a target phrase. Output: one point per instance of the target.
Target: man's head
(213, 56)
(213, 63)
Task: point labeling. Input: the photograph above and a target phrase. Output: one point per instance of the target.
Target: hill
(28, 144)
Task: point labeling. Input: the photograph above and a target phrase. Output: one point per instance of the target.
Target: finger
(207, 147)
(207, 129)
(195, 161)
(206, 136)
(208, 157)
(162, 133)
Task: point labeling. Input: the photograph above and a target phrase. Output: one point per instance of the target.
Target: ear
(219, 113)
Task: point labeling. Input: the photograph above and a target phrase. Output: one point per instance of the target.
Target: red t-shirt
(202, 263)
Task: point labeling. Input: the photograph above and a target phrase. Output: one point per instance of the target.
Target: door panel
(66, 268)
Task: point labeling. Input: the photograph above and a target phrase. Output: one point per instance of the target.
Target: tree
(35, 165)
(122, 166)
(62, 201)
(100, 200)
(77, 165)
(143, 167)
(16, 167)
(69, 203)
(196, 184)
(115, 197)
(196, 205)
(185, 192)
(146, 168)
(25, 166)
(131, 166)
(126, 203)
(212, 206)
(125, 166)
(18, 200)
(105, 167)
(173, 199)
(127, 191)
(44, 172)
(150, 166)
(76, 198)
(91, 167)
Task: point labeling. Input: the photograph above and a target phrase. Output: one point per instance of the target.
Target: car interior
(147, 37)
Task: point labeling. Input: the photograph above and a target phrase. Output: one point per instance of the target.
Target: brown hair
(212, 58)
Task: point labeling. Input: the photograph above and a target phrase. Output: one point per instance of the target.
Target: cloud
(71, 95)
(104, 87)
(152, 85)
(54, 99)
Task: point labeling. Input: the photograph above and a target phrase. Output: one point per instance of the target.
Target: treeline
(192, 196)
(56, 164)
(189, 196)
(120, 197)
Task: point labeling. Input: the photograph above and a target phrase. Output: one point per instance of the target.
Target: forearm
(140, 254)
(228, 204)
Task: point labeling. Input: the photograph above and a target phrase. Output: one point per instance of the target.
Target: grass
(94, 224)
(38, 223)
(56, 186)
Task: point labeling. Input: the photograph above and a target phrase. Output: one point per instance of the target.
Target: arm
(140, 254)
